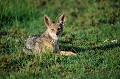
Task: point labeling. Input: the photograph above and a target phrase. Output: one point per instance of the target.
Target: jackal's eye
(58, 28)
(52, 29)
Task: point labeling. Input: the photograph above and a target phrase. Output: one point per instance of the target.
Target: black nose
(57, 33)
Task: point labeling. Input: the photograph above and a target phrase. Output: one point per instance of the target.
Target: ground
(92, 31)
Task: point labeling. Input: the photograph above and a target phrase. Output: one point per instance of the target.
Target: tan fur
(48, 41)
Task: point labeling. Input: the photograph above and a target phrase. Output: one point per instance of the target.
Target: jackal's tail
(67, 53)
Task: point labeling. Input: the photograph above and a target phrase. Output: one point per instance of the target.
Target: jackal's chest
(44, 45)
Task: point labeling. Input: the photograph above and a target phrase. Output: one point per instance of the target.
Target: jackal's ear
(62, 19)
(47, 20)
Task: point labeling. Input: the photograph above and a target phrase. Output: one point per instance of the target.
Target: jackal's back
(37, 44)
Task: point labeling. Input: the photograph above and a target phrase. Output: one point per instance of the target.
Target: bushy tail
(67, 53)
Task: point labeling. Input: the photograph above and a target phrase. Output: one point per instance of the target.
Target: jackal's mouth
(58, 33)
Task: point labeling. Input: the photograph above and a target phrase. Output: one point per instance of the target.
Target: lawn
(92, 31)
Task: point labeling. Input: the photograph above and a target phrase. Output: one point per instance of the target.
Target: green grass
(92, 30)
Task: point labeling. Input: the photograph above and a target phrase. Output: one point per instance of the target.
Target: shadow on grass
(78, 49)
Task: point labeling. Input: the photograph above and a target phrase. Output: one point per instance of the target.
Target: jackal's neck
(47, 35)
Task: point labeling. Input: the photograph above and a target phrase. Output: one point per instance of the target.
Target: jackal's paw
(67, 53)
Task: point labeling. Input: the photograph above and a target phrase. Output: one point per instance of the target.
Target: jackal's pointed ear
(62, 19)
(47, 20)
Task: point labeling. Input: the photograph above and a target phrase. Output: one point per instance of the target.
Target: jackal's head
(55, 28)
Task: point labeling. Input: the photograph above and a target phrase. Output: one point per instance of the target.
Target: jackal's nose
(59, 30)
(57, 33)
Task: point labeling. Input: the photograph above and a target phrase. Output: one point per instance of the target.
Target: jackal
(48, 41)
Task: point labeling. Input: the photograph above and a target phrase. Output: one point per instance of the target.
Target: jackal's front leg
(56, 48)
